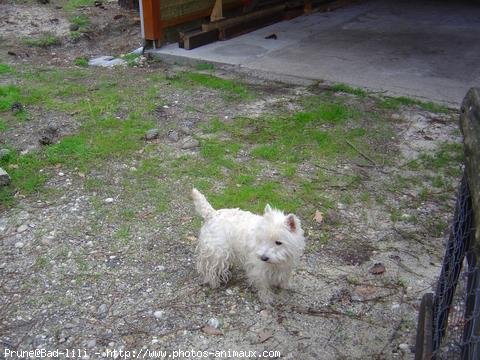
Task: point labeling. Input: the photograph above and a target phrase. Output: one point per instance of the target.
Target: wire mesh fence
(451, 330)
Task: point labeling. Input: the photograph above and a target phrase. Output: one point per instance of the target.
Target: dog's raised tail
(203, 207)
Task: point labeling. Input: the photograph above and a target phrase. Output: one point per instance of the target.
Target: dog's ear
(292, 223)
(267, 209)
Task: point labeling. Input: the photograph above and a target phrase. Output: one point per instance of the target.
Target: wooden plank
(196, 15)
(152, 26)
(333, 5)
(230, 22)
(250, 25)
(470, 126)
(198, 38)
(217, 11)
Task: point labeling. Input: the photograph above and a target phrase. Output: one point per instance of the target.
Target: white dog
(267, 247)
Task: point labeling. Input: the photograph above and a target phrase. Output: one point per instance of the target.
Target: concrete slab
(426, 49)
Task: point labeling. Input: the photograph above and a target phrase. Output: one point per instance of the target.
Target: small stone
(108, 200)
(19, 245)
(404, 347)
(158, 314)
(74, 27)
(4, 178)
(48, 135)
(22, 228)
(214, 323)
(185, 130)
(189, 143)
(152, 134)
(102, 311)
(16, 107)
(265, 313)
(90, 244)
(4, 153)
(91, 343)
(106, 61)
(173, 136)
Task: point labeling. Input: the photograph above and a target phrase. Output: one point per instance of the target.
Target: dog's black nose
(264, 258)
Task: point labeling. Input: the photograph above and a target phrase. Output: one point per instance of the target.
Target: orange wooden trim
(152, 23)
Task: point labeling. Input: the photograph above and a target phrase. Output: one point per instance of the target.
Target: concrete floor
(424, 49)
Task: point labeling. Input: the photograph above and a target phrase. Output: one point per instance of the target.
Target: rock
(16, 107)
(214, 323)
(48, 135)
(207, 329)
(19, 245)
(91, 343)
(4, 153)
(74, 27)
(102, 311)
(106, 61)
(185, 130)
(4, 178)
(158, 314)
(108, 200)
(404, 347)
(377, 269)
(189, 143)
(22, 228)
(173, 136)
(152, 134)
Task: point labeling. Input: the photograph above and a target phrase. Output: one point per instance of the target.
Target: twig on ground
(361, 153)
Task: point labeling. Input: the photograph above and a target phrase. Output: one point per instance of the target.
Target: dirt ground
(90, 263)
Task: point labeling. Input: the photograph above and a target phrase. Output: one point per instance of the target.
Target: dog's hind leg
(213, 265)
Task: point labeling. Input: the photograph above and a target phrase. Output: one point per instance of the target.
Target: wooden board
(198, 38)
(243, 18)
(470, 126)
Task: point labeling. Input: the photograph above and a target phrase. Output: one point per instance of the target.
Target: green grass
(81, 61)
(6, 69)
(280, 144)
(231, 89)
(9, 94)
(3, 125)
(101, 137)
(82, 21)
(204, 66)
(349, 90)
(75, 4)
(395, 103)
(131, 59)
(44, 40)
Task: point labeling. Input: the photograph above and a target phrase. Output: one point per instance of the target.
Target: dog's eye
(278, 243)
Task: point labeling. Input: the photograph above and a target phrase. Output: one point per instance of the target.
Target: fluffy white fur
(267, 246)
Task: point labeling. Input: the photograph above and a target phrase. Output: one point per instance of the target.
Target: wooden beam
(196, 15)
(243, 18)
(470, 126)
(249, 25)
(192, 40)
(217, 11)
(152, 25)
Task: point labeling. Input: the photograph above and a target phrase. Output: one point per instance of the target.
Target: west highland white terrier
(267, 246)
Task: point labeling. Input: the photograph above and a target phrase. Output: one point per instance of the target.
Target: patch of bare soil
(111, 30)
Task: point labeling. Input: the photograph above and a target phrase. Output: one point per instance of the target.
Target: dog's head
(280, 238)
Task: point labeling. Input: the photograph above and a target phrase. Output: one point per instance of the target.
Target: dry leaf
(210, 330)
(365, 291)
(318, 217)
(377, 269)
(264, 335)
